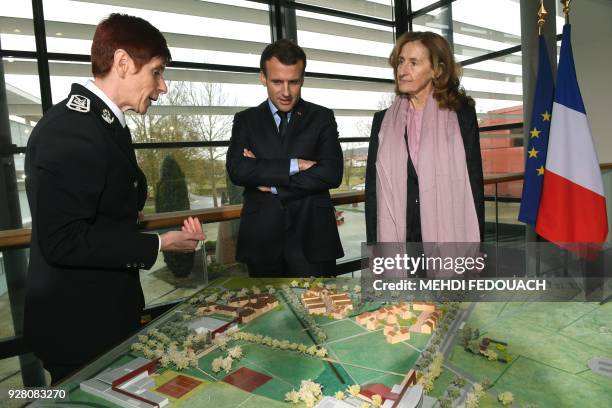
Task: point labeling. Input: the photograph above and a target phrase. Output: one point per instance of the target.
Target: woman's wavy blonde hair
(447, 89)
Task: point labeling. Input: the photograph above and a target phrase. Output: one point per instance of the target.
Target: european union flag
(538, 138)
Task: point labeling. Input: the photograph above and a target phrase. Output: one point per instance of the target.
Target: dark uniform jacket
(303, 200)
(85, 189)
(468, 125)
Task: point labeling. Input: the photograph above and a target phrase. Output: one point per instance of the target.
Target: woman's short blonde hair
(447, 89)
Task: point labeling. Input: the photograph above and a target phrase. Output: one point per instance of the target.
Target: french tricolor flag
(572, 209)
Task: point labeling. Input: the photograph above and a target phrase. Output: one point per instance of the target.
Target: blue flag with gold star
(538, 138)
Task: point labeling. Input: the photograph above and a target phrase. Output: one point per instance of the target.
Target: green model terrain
(550, 344)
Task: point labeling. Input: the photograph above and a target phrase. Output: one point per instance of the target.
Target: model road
(453, 330)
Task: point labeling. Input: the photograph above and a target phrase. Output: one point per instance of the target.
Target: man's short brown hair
(284, 50)
(136, 36)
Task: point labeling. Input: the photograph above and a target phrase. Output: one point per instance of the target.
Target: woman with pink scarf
(424, 179)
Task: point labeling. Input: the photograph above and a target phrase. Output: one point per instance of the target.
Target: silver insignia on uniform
(136, 184)
(106, 115)
(78, 103)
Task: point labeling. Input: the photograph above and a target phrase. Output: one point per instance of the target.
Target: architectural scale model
(276, 347)
(127, 386)
(320, 301)
(391, 317)
(245, 308)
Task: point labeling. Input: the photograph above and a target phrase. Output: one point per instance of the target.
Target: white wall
(591, 22)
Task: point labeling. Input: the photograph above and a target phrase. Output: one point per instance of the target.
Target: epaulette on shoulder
(79, 103)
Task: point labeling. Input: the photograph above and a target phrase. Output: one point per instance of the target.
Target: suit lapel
(123, 138)
(119, 135)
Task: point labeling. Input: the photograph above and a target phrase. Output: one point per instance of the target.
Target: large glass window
(16, 28)
(346, 47)
(419, 4)
(24, 109)
(382, 9)
(23, 98)
(205, 32)
(495, 84)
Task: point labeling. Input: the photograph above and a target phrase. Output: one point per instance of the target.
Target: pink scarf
(447, 206)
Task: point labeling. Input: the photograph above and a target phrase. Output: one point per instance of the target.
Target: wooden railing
(20, 238)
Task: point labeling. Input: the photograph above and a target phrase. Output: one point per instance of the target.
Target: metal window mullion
(289, 20)
(276, 31)
(339, 13)
(401, 17)
(410, 16)
(429, 8)
(42, 58)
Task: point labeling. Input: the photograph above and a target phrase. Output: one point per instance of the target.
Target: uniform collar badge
(78, 103)
(106, 115)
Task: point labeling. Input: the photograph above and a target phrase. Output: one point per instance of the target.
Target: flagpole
(536, 142)
(541, 20)
(566, 9)
(541, 17)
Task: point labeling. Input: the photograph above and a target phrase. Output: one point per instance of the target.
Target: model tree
(474, 346)
(506, 398)
(172, 195)
(446, 403)
(454, 392)
(466, 336)
(459, 381)
(473, 396)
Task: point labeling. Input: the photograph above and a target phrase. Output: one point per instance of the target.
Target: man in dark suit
(85, 191)
(286, 154)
